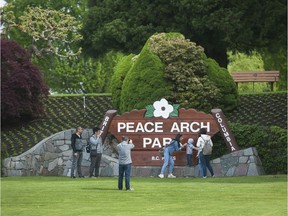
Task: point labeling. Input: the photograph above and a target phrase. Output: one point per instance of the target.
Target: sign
(224, 129)
(156, 126)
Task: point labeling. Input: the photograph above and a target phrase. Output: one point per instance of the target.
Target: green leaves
(150, 111)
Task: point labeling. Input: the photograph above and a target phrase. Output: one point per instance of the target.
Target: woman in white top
(204, 159)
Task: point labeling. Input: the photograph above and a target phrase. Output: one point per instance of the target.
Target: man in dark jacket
(77, 147)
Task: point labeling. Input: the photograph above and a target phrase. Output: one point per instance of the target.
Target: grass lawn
(233, 196)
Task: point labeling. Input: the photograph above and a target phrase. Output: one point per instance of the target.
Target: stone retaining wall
(52, 157)
(241, 163)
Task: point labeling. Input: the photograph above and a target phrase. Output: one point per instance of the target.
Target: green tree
(215, 25)
(247, 62)
(50, 31)
(23, 92)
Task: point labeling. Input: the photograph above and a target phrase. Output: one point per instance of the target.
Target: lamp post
(84, 101)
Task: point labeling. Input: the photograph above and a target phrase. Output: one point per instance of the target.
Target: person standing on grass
(77, 148)
(95, 152)
(125, 162)
(204, 160)
(175, 145)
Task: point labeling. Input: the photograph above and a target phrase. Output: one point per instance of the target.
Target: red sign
(150, 133)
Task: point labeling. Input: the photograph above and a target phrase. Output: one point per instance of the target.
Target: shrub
(172, 67)
(120, 71)
(23, 91)
(144, 82)
(225, 83)
(270, 142)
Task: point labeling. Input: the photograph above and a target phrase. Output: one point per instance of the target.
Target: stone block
(217, 169)
(241, 170)
(50, 156)
(20, 165)
(68, 134)
(243, 160)
(59, 142)
(49, 147)
(230, 171)
(253, 170)
(215, 161)
(59, 136)
(248, 152)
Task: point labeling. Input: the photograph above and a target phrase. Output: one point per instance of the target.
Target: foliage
(73, 75)
(16, 8)
(215, 25)
(51, 31)
(276, 60)
(67, 111)
(23, 91)
(270, 142)
(62, 113)
(263, 109)
(121, 69)
(183, 79)
(143, 83)
(254, 195)
(247, 62)
(224, 82)
(107, 63)
(70, 14)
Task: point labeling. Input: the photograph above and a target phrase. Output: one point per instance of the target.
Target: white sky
(2, 3)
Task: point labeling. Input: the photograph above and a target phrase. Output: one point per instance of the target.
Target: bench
(257, 76)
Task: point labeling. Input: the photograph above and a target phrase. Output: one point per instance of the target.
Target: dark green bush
(270, 142)
(120, 71)
(223, 81)
(144, 82)
(171, 67)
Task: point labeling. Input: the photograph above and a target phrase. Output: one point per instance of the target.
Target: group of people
(175, 145)
(96, 150)
(125, 161)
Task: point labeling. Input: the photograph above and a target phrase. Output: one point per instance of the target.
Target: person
(95, 152)
(77, 148)
(204, 160)
(125, 162)
(189, 151)
(174, 145)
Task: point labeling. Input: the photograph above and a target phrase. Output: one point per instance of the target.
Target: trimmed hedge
(270, 142)
(172, 67)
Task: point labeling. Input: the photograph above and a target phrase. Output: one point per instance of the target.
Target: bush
(270, 142)
(172, 67)
(144, 82)
(23, 91)
(223, 81)
(120, 71)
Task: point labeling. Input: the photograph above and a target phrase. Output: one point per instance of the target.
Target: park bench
(256, 76)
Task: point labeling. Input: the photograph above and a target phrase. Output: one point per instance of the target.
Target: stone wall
(241, 163)
(52, 157)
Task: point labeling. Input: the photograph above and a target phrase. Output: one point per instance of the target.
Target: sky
(2, 3)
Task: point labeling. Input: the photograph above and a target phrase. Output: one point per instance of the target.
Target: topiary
(120, 71)
(225, 83)
(172, 67)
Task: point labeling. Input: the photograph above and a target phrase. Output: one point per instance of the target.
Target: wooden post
(224, 130)
(106, 123)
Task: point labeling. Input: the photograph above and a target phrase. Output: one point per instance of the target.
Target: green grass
(31, 196)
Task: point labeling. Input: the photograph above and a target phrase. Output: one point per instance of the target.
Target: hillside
(68, 112)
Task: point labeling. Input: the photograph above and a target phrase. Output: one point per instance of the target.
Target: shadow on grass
(102, 189)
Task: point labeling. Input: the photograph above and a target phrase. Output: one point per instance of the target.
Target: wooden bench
(257, 76)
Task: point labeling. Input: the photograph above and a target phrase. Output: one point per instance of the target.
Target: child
(189, 151)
